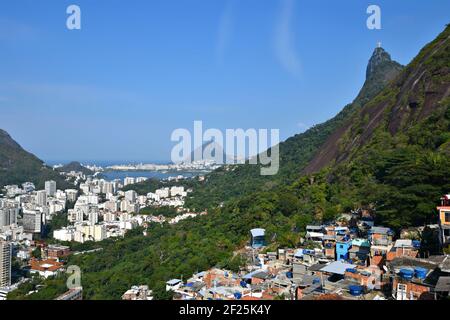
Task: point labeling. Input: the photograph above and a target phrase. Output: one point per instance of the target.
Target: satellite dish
(385, 268)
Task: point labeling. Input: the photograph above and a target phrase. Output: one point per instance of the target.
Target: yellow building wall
(442, 216)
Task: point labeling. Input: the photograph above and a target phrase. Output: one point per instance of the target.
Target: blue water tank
(289, 274)
(406, 274)
(356, 290)
(316, 280)
(243, 284)
(416, 243)
(420, 273)
(352, 270)
(237, 295)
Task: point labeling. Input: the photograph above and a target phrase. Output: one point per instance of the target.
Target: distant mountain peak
(379, 58)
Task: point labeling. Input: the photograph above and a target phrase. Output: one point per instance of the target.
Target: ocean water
(116, 174)
(160, 175)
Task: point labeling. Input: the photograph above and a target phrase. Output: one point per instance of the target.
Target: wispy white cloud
(284, 39)
(224, 31)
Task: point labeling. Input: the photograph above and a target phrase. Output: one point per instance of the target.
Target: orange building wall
(419, 291)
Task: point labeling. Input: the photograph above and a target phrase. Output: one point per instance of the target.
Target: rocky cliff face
(379, 57)
(421, 88)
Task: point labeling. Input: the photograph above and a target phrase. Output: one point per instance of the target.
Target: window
(447, 216)
(401, 289)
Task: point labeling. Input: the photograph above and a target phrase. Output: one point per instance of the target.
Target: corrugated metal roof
(381, 230)
(258, 232)
(173, 282)
(310, 227)
(360, 243)
(257, 273)
(403, 243)
(337, 267)
(314, 235)
(443, 284)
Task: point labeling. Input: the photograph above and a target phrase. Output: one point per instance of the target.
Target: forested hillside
(18, 166)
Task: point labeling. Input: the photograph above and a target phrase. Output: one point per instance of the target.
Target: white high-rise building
(163, 193)
(50, 188)
(109, 217)
(123, 205)
(108, 187)
(41, 198)
(93, 217)
(5, 263)
(75, 215)
(142, 200)
(71, 195)
(112, 205)
(131, 195)
(177, 191)
(116, 184)
(8, 216)
(85, 188)
(132, 207)
(90, 233)
(141, 179)
(32, 221)
(128, 180)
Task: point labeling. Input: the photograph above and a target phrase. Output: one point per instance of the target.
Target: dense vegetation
(168, 212)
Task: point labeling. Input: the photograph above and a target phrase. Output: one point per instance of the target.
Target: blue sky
(137, 70)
